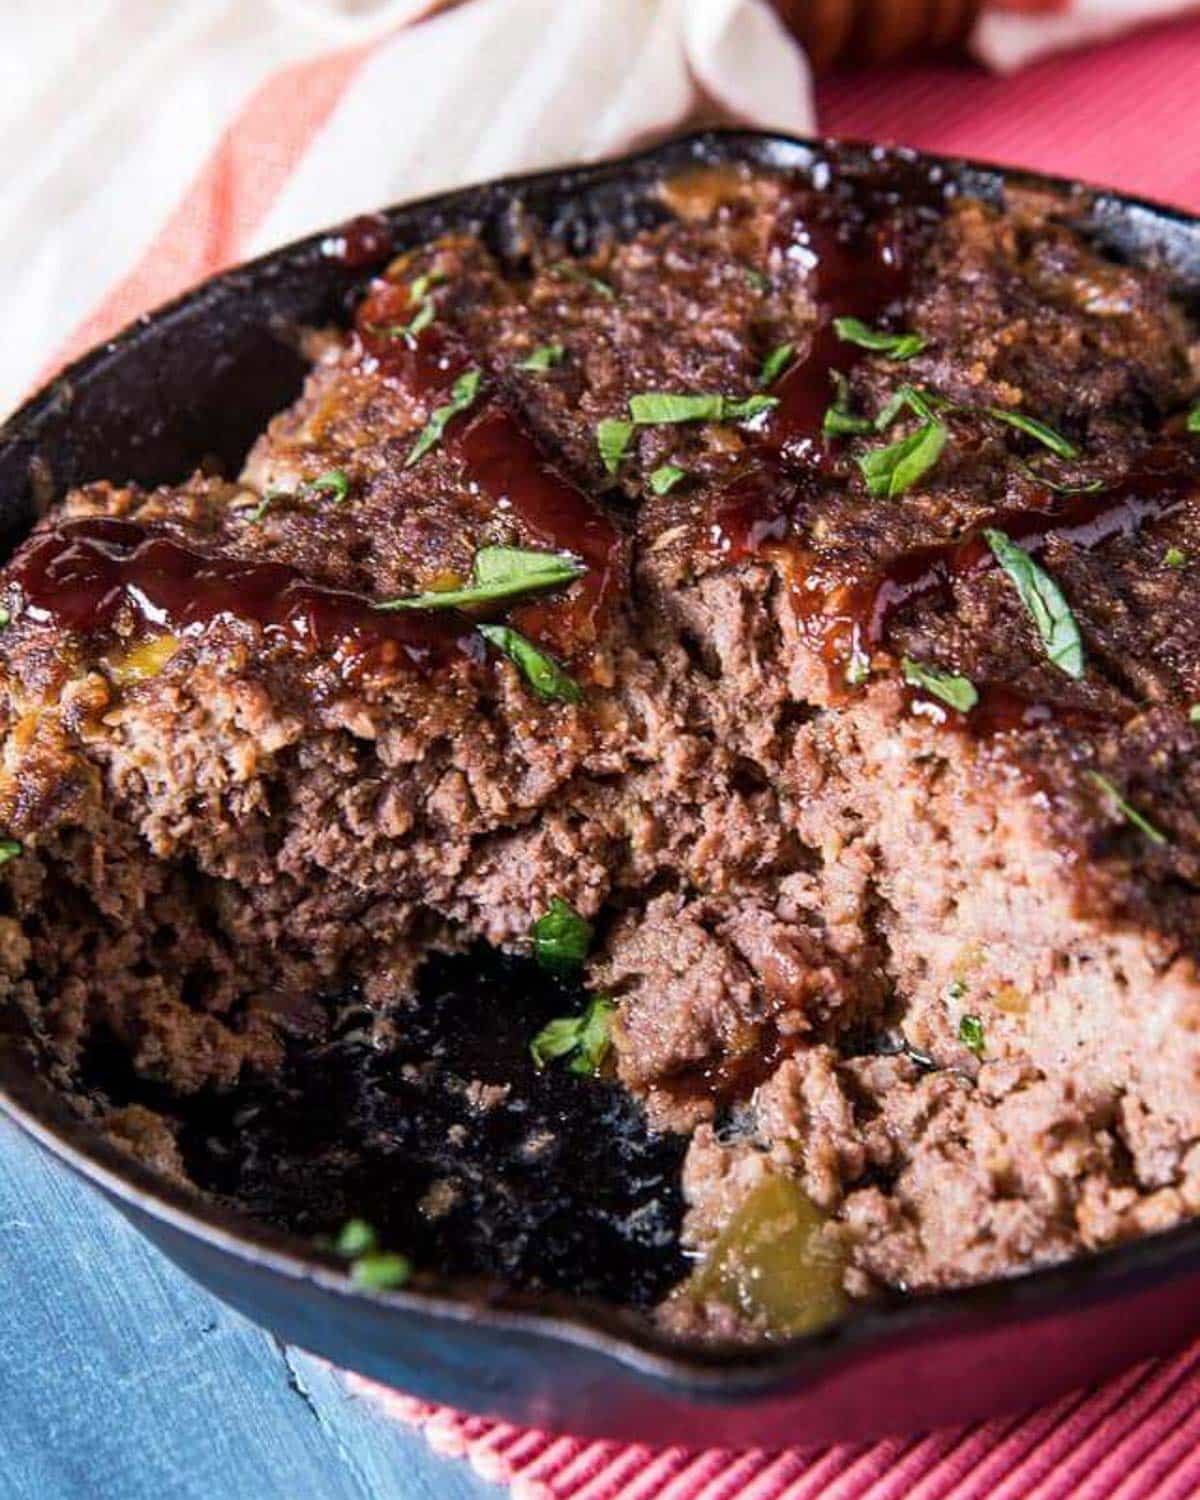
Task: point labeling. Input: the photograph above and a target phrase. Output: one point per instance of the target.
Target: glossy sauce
(500, 457)
(857, 614)
(364, 241)
(84, 575)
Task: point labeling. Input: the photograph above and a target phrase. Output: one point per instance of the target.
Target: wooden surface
(122, 1380)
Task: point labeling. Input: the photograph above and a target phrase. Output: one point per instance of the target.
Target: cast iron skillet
(194, 382)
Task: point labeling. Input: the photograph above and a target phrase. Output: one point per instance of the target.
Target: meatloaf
(795, 601)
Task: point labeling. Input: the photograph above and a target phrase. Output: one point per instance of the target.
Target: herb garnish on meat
(10, 849)
(665, 478)
(583, 1038)
(894, 345)
(958, 692)
(1126, 809)
(1045, 602)
(970, 1034)
(1044, 434)
(655, 408)
(561, 938)
(541, 672)
(375, 1269)
(892, 470)
(543, 357)
(462, 395)
(775, 364)
(499, 573)
(612, 439)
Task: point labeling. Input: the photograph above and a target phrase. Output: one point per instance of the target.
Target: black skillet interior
(560, 1194)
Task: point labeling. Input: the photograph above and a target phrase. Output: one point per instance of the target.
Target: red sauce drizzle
(857, 269)
(857, 614)
(498, 454)
(364, 241)
(83, 574)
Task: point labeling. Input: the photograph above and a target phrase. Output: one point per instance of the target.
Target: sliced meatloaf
(860, 718)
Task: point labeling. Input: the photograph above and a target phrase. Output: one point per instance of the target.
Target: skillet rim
(712, 1372)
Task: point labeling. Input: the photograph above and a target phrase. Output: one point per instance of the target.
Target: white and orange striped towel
(148, 144)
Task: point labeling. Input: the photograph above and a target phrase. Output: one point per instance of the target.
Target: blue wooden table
(122, 1380)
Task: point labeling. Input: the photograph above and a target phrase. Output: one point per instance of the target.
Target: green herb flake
(356, 1237)
(1045, 602)
(10, 849)
(958, 692)
(756, 280)
(1175, 557)
(541, 672)
(956, 989)
(775, 364)
(841, 423)
(584, 1039)
(655, 408)
(419, 287)
(1061, 486)
(333, 483)
(970, 1034)
(544, 357)
(1194, 713)
(5, 617)
(665, 478)
(894, 469)
(561, 938)
(569, 271)
(1126, 809)
(612, 439)
(894, 345)
(381, 1271)
(908, 398)
(462, 395)
(1045, 435)
(1193, 419)
(498, 573)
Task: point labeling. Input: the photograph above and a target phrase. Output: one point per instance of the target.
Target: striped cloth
(278, 121)
(1135, 1438)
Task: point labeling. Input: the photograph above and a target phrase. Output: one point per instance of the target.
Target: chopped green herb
(5, 617)
(894, 345)
(757, 280)
(907, 398)
(356, 1237)
(897, 467)
(1044, 600)
(10, 849)
(583, 1038)
(841, 423)
(776, 363)
(858, 668)
(655, 407)
(1194, 713)
(569, 271)
(498, 573)
(462, 395)
(266, 503)
(958, 692)
(333, 483)
(665, 478)
(543, 357)
(542, 672)
(418, 288)
(1035, 429)
(1127, 811)
(381, 1270)
(1059, 486)
(1175, 557)
(561, 938)
(612, 438)
(970, 1034)
(1193, 419)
